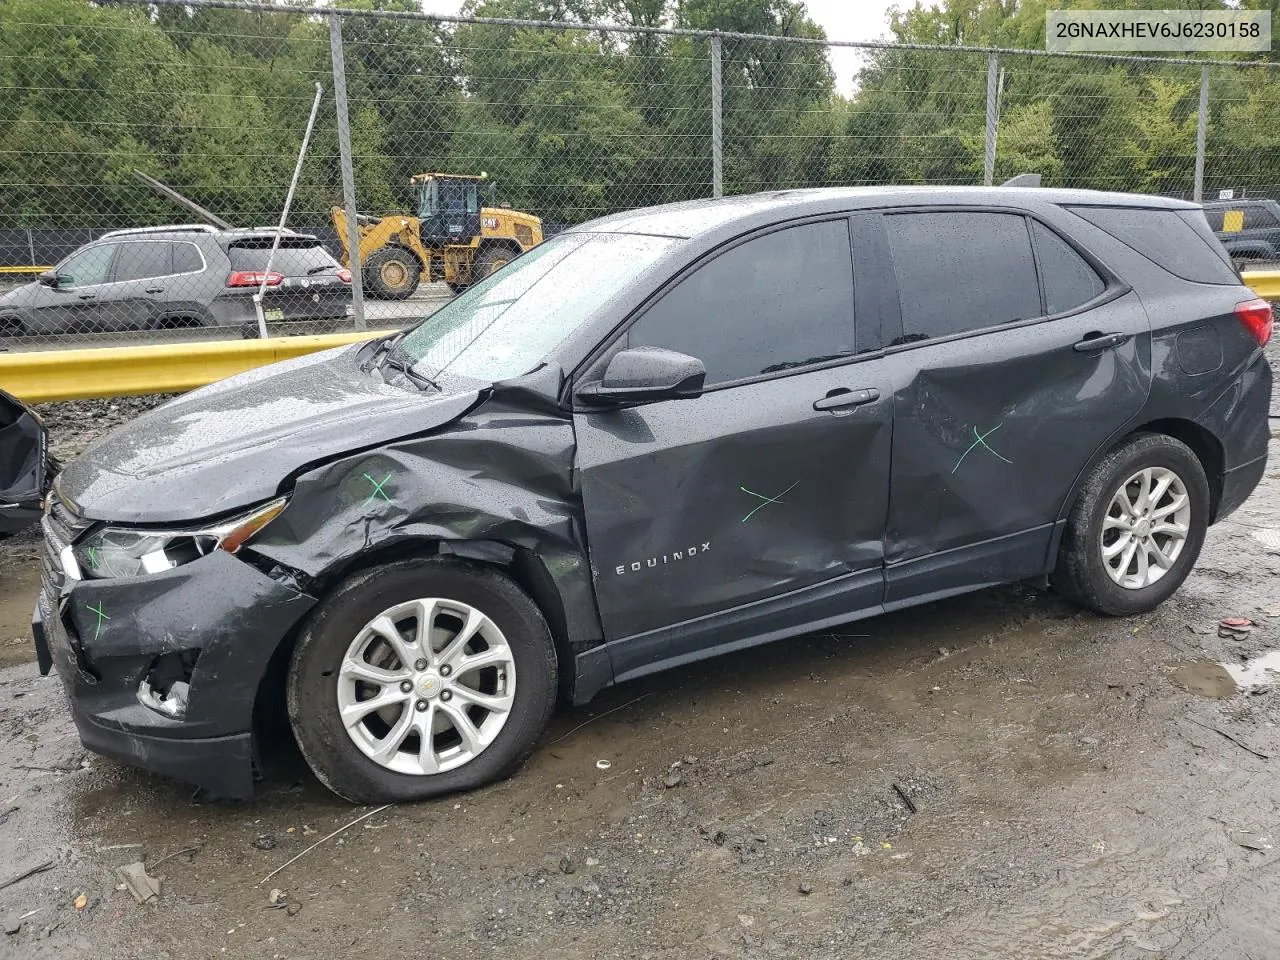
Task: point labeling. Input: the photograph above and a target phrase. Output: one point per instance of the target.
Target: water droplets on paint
(1209, 678)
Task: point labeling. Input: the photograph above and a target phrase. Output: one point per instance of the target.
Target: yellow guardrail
(43, 376)
(5, 270)
(1265, 283)
(40, 377)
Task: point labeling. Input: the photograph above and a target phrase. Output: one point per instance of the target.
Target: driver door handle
(155, 290)
(843, 397)
(88, 296)
(1100, 341)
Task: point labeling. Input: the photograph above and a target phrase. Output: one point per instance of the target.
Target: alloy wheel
(1145, 527)
(426, 686)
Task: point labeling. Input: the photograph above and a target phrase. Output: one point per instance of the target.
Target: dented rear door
(1005, 388)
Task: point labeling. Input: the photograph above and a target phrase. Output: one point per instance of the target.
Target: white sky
(842, 19)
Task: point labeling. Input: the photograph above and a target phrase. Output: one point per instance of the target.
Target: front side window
(776, 302)
(143, 259)
(961, 271)
(86, 267)
(509, 322)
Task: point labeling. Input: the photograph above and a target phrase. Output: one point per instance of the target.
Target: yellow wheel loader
(454, 237)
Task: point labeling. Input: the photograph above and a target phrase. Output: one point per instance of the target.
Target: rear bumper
(1237, 484)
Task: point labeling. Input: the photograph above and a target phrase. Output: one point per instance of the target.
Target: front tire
(392, 273)
(1136, 529)
(419, 678)
(495, 258)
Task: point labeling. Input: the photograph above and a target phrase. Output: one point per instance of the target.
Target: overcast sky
(842, 19)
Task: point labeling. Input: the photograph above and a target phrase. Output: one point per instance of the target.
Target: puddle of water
(1208, 678)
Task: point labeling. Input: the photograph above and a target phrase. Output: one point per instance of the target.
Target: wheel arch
(499, 243)
(1202, 442)
(520, 564)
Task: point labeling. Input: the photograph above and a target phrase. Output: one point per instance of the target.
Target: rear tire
(392, 273)
(1125, 551)
(11, 326)
(360, 758)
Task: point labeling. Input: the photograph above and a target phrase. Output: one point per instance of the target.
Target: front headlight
(120, 552)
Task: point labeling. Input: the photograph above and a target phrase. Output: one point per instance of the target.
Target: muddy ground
(999, 776)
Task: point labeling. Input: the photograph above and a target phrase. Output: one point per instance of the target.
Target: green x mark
(980, 440)
(93, 557)
(101, 616)
(377, 489)
(767, 500)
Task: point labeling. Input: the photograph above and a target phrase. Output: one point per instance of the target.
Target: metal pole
(717, 151)
(284, 214)
(989, 152)
(1202, 127)
(31, 247)
(348, 175)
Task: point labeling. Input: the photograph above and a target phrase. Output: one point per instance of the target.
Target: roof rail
(174, 228)
(281, 230)
(1023, 180)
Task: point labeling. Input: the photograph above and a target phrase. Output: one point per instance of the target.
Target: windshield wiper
(394, 356)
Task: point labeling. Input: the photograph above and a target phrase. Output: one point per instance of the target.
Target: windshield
(507, 324)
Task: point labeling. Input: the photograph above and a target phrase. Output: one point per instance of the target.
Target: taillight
(1257, 319)
(344, 275)
(253, 278)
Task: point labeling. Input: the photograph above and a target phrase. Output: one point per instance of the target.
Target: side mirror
(647, 373)
(49, 278)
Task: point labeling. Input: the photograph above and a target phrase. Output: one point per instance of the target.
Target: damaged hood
(235, 442)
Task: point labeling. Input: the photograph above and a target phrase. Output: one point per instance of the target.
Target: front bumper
(104, 636)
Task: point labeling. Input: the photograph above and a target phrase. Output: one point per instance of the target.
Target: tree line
(572, 124)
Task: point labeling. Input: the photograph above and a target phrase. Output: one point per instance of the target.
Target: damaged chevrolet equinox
(659, 436)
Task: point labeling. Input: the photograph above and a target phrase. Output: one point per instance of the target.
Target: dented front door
(694, 507)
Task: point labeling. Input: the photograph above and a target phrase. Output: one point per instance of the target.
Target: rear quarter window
(1167, 238)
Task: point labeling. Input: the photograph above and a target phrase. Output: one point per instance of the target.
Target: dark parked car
(1249, 229)
(25, 466)
(182, 276)
(656, 437)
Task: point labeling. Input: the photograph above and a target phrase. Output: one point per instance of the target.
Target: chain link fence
(465, 141)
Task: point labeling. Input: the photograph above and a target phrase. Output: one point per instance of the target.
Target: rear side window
(290, 260)
(961, 271)
(1166, 239)
(775, 302)
(186, 258)
(1069, 281)
(142, 259)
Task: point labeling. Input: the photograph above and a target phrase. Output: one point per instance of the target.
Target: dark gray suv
(180, 276)
(656, 437)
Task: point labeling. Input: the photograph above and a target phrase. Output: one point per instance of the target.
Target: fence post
(717, 152)
(989, 146)
(1202, 126)
(348, 175)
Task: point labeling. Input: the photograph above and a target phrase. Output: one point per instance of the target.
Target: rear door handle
(843, 397)
(1100, 341)
(88, 296)
(155, 289)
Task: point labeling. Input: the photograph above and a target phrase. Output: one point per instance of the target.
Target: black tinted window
(1068, 280)
(1258, 215)
(1164, 238)
(290, 261)
(140, 259)
(962, 271)
(775, 302)
(186, 258)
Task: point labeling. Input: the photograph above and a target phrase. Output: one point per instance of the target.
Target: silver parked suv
(180, 276)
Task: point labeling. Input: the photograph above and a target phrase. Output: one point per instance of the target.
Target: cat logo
(491, 223)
